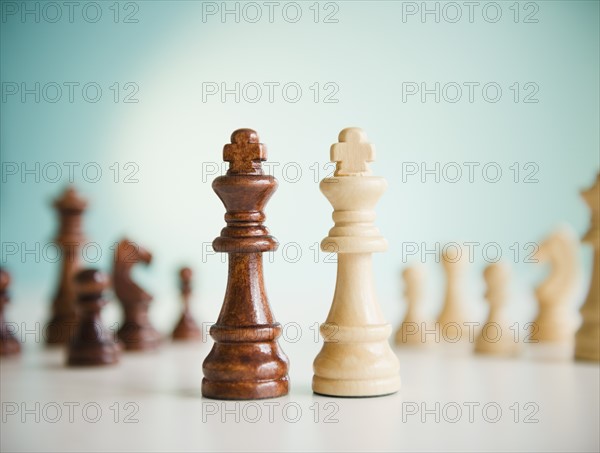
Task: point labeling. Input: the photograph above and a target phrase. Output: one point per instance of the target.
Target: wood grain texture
(246, 361)
(136, 332)
(9, 345)
(70, 208)
(92, 344)
(186, 328)
(356, 358)
(587, 339)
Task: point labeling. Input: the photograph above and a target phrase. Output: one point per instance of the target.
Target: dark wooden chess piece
(70, 208)
(92, 344)
(9, 345)
(136, 333)
(186, 328)
(246, 362)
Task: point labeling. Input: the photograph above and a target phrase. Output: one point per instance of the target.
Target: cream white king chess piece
(410, 332)
(587, 339)
(495, 336)
(451, 320)
(556, 321)
(356, 358)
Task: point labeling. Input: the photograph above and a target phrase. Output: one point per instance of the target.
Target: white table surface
(152, 402)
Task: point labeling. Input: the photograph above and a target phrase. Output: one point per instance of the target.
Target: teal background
(170, 133)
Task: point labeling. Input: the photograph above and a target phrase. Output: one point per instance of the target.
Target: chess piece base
(60, 329)
(587, 345)
(241, 390)
(356, 361)
(9, 346)
(186, 329)
(139, 337)
(94, 355)
(245, 363)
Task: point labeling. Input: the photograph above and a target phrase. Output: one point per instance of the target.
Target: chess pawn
(452, 317)
(92, 344)
(555, 321)
(410, 331)
(356, 358)
(495, 336)
(9, 345)
(587, 339)
(186, 328)
(70, 207)
(245, 362)
(136, 333)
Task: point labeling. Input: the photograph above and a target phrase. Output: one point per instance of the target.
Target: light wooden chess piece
(452, 318)
(356, 358)
(555, 321)
(495, 336)
(410, 331)
(587, 339)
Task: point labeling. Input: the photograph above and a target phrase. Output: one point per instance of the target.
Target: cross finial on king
(245, 153)
(352, 153)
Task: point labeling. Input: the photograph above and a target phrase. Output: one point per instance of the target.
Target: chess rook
(70, 208)
(555, 320)
(495, 336)
(587, 339)
(92, 344)
(186, 328)
(136, 333)
(245, 362)
(356, 358)
(9, 345)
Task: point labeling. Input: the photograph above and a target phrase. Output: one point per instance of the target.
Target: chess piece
(136, 333)
(9, 345)
(356, 358)
(92, 344)
(186, 328)
(556, 295)
(245, 362)
(495, 336)
(452, 318)
(411, 330)
(70, 239)
(587, 339)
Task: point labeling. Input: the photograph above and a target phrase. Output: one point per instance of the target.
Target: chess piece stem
(245, 362)
(70, 208)
(356, 358)
(9, 345)
(411, 331)
(92, 344)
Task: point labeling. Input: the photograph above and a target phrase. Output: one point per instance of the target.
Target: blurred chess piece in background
(411, 330)
(9, 345)
(496, 337)
(186, 328)
(587, 340)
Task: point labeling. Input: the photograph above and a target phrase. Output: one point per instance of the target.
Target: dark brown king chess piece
(92, 344)
(136, 333)
(9, 345)
(70, 208)
(246, 362)
(186, 328)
